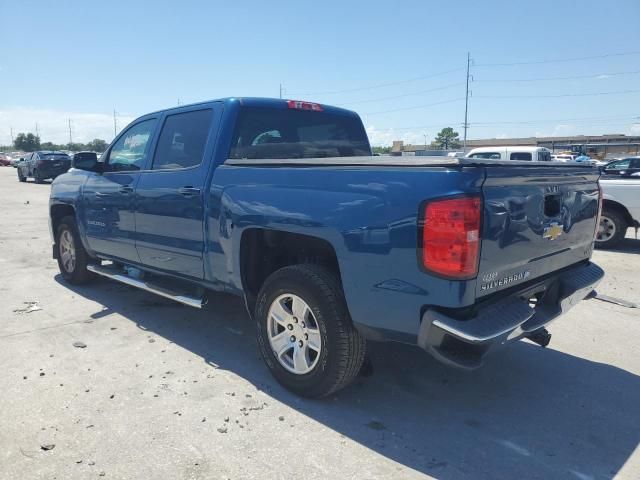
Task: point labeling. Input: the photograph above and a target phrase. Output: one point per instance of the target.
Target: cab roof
(264, 102)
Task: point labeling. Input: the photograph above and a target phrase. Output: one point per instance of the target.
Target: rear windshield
(272, 133)
(55, 156)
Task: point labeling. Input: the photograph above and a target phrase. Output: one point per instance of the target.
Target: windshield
(270, 133)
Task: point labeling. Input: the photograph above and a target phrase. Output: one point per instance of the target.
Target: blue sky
(399, 64)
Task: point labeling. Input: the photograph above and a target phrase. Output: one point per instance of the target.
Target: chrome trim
(118, 277)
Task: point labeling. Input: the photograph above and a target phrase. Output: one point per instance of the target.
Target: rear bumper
(463, 341)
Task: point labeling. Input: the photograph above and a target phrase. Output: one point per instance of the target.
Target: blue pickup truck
(282, 203)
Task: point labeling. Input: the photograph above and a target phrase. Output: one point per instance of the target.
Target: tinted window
(544, 156)
(272, 133)
(55, 156)
(129, 152)
(520, 156)
(635, 163)
(487, 155)
(182, 140)
(622, 164)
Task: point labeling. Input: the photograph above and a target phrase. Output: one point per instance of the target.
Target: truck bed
(391, 161)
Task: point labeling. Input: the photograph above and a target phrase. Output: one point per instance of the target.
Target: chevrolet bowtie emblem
(553, 231)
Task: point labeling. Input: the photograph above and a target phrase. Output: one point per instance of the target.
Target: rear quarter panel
(369, 216)
(624, 191)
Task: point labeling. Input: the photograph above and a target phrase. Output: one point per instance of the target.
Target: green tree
(447, 139)
(97, 145)
(27, 142)
(381, 150)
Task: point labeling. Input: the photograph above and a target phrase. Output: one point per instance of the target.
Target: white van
(539, 154)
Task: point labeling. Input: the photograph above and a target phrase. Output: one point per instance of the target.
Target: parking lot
(153, 389)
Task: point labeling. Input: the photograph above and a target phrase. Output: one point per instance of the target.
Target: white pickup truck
(620, 210)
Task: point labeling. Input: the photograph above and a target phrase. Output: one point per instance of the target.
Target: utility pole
(280, 90)
(11, 128)
(466, 106)
(115, 123)
(37, 131)
(70, 138)
(425, 142)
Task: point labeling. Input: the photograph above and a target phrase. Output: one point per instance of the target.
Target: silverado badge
(553, 231)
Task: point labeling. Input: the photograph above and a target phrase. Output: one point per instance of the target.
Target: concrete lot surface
(162, 391)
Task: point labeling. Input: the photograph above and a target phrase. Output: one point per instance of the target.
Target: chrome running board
(143, 285)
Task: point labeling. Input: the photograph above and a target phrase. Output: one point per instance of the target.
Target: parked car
(623, 168)
(43, 165)
(5, 160)
(16, 161)
(563, 157)
(539, 154)
(620, 209)
(282, 203)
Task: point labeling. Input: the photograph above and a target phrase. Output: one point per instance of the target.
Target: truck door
(170, 195)
(108, 213)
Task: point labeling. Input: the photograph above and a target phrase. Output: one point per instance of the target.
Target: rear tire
(21, 177)
(37, 178)
(72, 257)
(612, 229)
(332, 349)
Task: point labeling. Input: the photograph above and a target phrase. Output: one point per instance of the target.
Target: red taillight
(451, 237)
(298, 105)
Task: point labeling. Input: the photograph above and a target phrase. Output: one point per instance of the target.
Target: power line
(414, 107)
(406, 94)
(553, 120)
(380, 85)
(630, 118)
(620, 92)
(558, 60)
(573, 77)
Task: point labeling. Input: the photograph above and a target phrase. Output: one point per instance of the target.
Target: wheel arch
(57, 212)
(620, 208)
(263, 251)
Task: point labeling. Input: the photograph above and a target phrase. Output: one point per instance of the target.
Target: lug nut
(295, 319)
(293, 338)
(290, 327)
(300, 343)
(303, 325)
(306, 336)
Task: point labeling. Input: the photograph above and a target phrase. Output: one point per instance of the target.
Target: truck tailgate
(537, 219)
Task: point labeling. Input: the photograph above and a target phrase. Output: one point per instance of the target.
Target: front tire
(72, 257)
(305, 334)
(21, 177)
(611, 230)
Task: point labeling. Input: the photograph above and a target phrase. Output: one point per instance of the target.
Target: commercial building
(596, 146)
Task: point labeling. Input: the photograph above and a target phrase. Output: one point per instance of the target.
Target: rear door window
(544, 156)
(182, 140)
(525, 156)
(273, 133)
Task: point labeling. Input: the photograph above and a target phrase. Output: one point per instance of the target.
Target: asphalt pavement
(105, 381)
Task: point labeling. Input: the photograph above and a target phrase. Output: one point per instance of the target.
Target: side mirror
(85, 161)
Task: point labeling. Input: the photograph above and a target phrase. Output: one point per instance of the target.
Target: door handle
(188, 191)
(126, 189)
